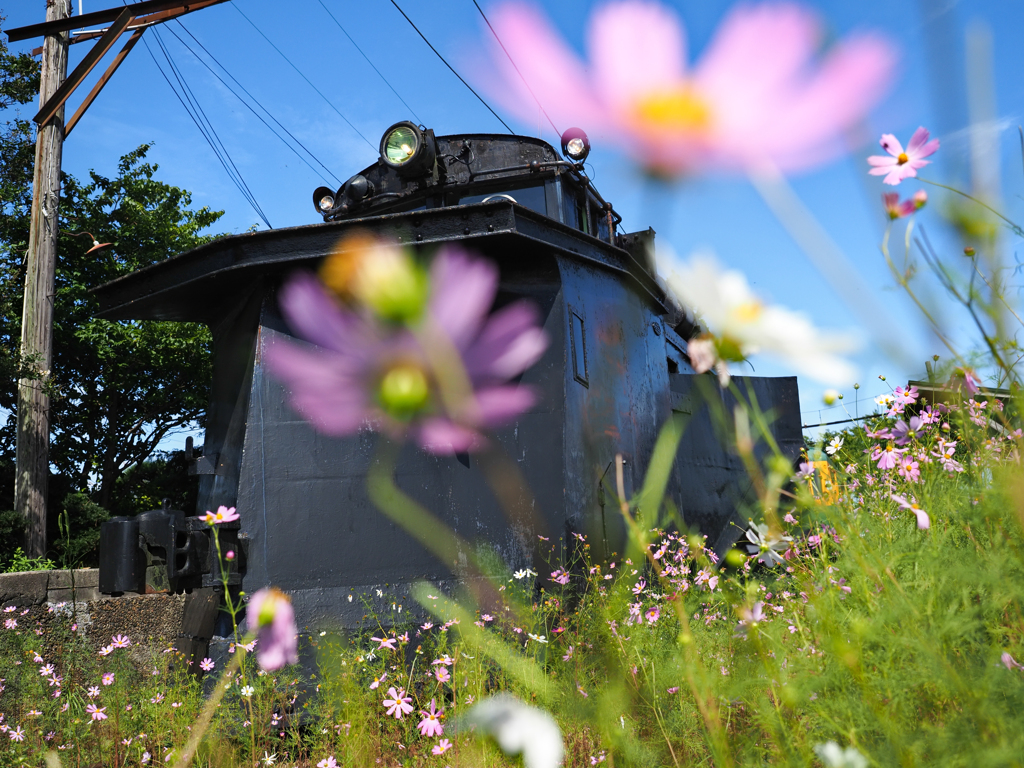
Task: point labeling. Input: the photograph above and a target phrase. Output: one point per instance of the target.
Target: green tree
(117, 388)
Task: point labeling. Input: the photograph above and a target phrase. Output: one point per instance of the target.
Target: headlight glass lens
(400, 145)
(575, 147)
(326, 203)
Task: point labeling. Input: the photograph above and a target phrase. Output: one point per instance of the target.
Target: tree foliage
(117, 388)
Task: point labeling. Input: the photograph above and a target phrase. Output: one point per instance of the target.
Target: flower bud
(229, 555)
(381, 276)
(830, 396)
(735, 558)
(920, 199)
(969, 251)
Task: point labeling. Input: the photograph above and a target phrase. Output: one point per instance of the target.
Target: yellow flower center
(677, 109)
(902, 158)
(748, 311)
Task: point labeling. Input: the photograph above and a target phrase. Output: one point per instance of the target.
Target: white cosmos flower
(740, 324)
(834, 445)
(519, 728)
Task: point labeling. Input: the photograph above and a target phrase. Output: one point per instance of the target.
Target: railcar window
(528, 197)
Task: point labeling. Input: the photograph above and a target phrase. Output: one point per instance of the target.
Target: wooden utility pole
(33, 447)
(55, 87)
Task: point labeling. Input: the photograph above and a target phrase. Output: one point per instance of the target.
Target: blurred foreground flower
(519, 728)
(757, 96)
(740, 325)
(270, 613)
(902, 164)
(897, 209)
(923, 521)
(385, 355)
(834, 756)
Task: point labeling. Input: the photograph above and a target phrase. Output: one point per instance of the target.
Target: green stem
(1016, 227)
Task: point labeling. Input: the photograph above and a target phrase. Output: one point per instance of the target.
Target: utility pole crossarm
(84, 67)
(139, 10)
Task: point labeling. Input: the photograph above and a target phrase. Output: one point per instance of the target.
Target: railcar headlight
(408, 149)
(323, 199)
(575, 145)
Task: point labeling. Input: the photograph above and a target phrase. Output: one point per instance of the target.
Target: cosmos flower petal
(821, 113)
(635, 47)
(891, 144)
(881, 162)
(509, 344)
(320, 388)
(313, 314)
(757, 50)
(499, 405)
(463, 291)
(918, 141)
(556, 76)
(444, 437)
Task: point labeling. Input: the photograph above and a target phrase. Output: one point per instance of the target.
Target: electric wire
(481, 98)
(521, 77)
(211, 131)
(292, 65)
(249, 106)
(237, 181)
(389, 85)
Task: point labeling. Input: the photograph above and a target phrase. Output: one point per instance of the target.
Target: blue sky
(723, 215)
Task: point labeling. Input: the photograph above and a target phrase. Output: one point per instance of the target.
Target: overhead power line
(481, 98)
(521, 77)
(195, 111)
(389, 85)
(299, 71)
(249, 106)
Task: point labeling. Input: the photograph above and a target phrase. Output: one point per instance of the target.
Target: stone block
(81, 594)
(23, 589)
(84, 577)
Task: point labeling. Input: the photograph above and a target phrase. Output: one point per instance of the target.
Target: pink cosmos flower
(887, 457)
(222, 515)
(442, 675)
(923, 522)
(1009, 662)
(329, 762)
(108, 678)
(207, 665)
(271, 614)
(653, 614)
(902, 164)
(441, 747)
(120, 641)
(385, 642)
(910, 469)
(377, 681)
(749, 617)
(560, 576)
(368, 372)
(897, 209)
(759, 95)
(966, 379)
(97, 713)
(399, 704)
(430, 725)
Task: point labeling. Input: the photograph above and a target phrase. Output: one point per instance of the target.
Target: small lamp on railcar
(575, 145)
